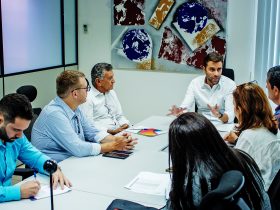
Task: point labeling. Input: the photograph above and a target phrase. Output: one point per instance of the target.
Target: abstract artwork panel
(129, 12)
(194, 26)
(161, 11)
(167, 35)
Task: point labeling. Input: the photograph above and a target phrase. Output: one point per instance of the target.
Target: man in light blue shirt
(15, 116)
(61, 130)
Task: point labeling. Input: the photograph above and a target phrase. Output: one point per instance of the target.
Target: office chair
(228, 73)
(31, 93)
(274, 192)
(225, 196)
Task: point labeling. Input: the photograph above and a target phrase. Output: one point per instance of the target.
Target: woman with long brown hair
(256, 132)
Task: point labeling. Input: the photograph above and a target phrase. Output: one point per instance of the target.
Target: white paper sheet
(149, 183)
(44, 192)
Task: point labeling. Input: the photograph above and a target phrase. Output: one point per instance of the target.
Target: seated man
(273, 87)
(15, 116)
(61, 130)
(102, 107)
(212, 93)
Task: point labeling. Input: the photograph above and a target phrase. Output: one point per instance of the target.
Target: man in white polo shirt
(211, 93)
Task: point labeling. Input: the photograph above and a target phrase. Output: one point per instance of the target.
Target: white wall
(44, 81)
(148, 93)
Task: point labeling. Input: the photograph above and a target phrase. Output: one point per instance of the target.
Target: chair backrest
(225, 196)
(31, 93)
(228, 73)
(274, 192)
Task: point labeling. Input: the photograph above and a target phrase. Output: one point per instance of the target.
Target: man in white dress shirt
(102, 107)
(212, 93)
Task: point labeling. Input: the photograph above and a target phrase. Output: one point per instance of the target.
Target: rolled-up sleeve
(189, 97)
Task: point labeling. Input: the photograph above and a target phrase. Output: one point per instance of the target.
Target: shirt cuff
(41, 162)
(96, 149)
(101, 135)
(12, 193)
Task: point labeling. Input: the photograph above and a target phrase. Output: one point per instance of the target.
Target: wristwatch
(221, 115)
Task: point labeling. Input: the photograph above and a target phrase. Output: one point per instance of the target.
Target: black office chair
(225, 196)
(228, 73)
(31, 93)
(274, 192)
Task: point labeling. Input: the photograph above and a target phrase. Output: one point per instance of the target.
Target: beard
(4, 136)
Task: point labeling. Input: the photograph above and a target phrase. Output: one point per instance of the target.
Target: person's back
(264, 147)
(199, 158)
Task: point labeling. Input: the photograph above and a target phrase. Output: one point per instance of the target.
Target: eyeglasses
(86, 88)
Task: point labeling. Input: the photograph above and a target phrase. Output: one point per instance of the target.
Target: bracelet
(221, 115)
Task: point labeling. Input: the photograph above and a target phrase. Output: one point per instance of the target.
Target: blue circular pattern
(191, 17)
(136, 44)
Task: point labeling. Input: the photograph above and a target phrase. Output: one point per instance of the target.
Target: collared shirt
(104, 110)
(277, 115)
(61, 132)
(201, 94)
(19, 149)
(264, 147)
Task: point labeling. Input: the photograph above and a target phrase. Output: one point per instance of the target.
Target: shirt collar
(206, 86)
(69, 112)
(95, 92)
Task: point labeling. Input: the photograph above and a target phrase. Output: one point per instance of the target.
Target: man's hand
(29, 189)
(118, 130)
(231, 137)
(215, 110)
(176, 111)
(58, 176)
(124, 142)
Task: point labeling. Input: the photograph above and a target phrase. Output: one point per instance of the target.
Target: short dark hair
(214, 57)
(97, 71)
(273, 76)
(66, 80)
(15, 105)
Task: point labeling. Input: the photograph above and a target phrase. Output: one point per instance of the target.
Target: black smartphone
(128, 152)
(115, 155)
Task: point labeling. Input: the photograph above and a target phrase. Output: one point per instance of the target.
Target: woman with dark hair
(256, 132)
(199, 158)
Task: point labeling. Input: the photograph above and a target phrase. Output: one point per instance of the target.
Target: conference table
(98, 180)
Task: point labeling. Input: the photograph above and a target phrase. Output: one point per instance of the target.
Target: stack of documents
(150, 183)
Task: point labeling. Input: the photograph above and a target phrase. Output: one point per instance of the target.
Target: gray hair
(97, 71)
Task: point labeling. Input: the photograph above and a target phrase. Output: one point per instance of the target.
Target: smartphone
(115, 155)
(128, 152)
